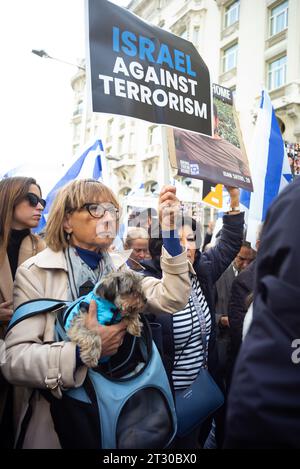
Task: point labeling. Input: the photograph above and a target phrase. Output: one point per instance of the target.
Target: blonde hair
(12, 191)
(135, 233)
(68, 199)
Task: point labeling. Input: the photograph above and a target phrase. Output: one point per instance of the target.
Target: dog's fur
(125, 291)
(88, 341)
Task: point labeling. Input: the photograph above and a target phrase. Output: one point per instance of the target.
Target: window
(109, 128)
(154, 135)
(277, 73)
(108, 151)
(230, 58)
(279, 18)
(151, 187)
(183, 34)
(196, 35)
(125, 191)
(79, 108)
(122, 123)
(131, 143)
(121, 145)
(77, 131)
(232, 13)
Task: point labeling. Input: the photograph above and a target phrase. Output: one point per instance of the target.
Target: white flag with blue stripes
(269, 166)
(88, 165)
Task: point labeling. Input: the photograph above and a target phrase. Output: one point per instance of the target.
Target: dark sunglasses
(34, 200)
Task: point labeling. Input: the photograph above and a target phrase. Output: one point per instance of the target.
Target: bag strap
(202, 322)
(53, 378)
(34, 307)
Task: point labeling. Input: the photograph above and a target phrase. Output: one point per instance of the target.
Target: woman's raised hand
(168, 208)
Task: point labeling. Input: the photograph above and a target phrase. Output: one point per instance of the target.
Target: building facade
(247, 46)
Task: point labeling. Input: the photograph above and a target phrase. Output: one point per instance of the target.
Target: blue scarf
(91, 258)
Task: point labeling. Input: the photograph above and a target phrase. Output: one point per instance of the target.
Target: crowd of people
(293, 152)
(196, 295)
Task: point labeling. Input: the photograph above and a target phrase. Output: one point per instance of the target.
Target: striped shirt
(189, 355)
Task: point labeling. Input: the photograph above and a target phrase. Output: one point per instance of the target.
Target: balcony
(271, 41)
(150, 168)
(125, 160)
(229, 30)
(227, 76)
(125, 175)
(152, 151)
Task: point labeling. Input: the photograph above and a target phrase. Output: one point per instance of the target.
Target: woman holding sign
(189, 335)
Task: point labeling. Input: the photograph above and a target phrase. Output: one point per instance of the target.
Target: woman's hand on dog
(111, 336)
(168, 207)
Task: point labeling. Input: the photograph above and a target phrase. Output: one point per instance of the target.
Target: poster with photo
(221, 159)
(293, 153)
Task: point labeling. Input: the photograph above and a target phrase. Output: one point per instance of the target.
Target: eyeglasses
(34, 200)
(99, 210)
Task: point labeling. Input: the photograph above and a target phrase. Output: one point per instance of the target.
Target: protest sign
(221, 159)
(142, 71)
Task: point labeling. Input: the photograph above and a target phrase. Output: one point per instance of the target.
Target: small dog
(118, 296)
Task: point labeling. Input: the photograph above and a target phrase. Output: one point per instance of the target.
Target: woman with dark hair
(21, 207)
(183, 350)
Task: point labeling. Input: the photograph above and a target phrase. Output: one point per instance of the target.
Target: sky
(37, 98)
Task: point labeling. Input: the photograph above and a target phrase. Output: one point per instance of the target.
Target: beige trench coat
(30, 246)
(33, 357)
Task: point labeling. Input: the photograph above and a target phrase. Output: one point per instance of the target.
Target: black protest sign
(142, 71)
(221, 159)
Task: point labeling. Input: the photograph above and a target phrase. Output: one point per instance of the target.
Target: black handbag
(203, 397)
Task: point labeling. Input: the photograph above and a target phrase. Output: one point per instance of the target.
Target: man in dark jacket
(264, 402)
(241, 288)
(223, 291)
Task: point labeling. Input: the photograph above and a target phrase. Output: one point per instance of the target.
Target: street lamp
(44, 55)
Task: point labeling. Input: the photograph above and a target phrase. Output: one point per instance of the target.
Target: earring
(68, 236)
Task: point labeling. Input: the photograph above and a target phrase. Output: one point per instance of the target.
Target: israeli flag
(88, 165)
(270, 169)
(13, 172)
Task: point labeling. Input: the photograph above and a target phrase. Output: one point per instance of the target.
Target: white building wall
(250, 76)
